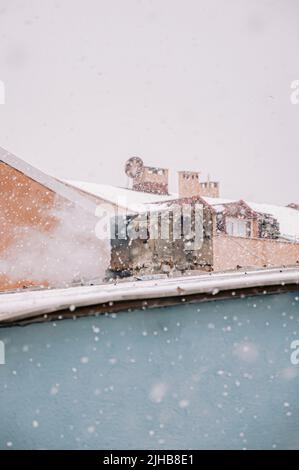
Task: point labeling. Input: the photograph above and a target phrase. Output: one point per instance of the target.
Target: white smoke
(69, 253)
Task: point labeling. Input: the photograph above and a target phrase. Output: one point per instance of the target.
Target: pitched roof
(287, 217)
(135, 201)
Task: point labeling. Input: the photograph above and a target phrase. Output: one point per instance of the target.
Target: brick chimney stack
(210, 188)
(152, 180)
(189, 184)
(147, 179)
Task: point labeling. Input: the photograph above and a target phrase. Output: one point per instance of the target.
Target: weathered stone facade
(154, 254)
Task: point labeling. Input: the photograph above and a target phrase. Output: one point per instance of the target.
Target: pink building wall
(232, 252)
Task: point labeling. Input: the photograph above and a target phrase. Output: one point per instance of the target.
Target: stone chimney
(210, 188)
(189, 184)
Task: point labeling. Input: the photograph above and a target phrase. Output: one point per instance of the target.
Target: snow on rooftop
(135, 201)
(215, 201)
(287, 217)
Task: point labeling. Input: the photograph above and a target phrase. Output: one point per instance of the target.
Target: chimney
(145, 178)
(210, 188)
(189, 184)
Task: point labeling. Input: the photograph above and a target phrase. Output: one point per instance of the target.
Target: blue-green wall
(213, 375)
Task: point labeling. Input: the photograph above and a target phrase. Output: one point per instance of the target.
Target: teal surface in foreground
(212, 375)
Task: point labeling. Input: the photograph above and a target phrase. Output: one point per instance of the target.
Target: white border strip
(15, 306)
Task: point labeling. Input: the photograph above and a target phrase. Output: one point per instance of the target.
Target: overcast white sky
(200, 84)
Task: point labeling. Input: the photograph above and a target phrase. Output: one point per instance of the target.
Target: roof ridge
(46, 180)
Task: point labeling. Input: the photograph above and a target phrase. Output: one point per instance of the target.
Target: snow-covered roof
(135, 201)
(287, 217)
(215, 201)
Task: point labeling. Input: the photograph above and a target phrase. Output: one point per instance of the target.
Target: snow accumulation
(287, 217)
(216, 201)
(24, 304)
(127, 198)
(137, 201)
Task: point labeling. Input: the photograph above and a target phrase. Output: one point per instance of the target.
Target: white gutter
(16, 306)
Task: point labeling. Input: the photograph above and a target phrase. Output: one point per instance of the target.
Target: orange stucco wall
(231, 252)
(44, 238)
